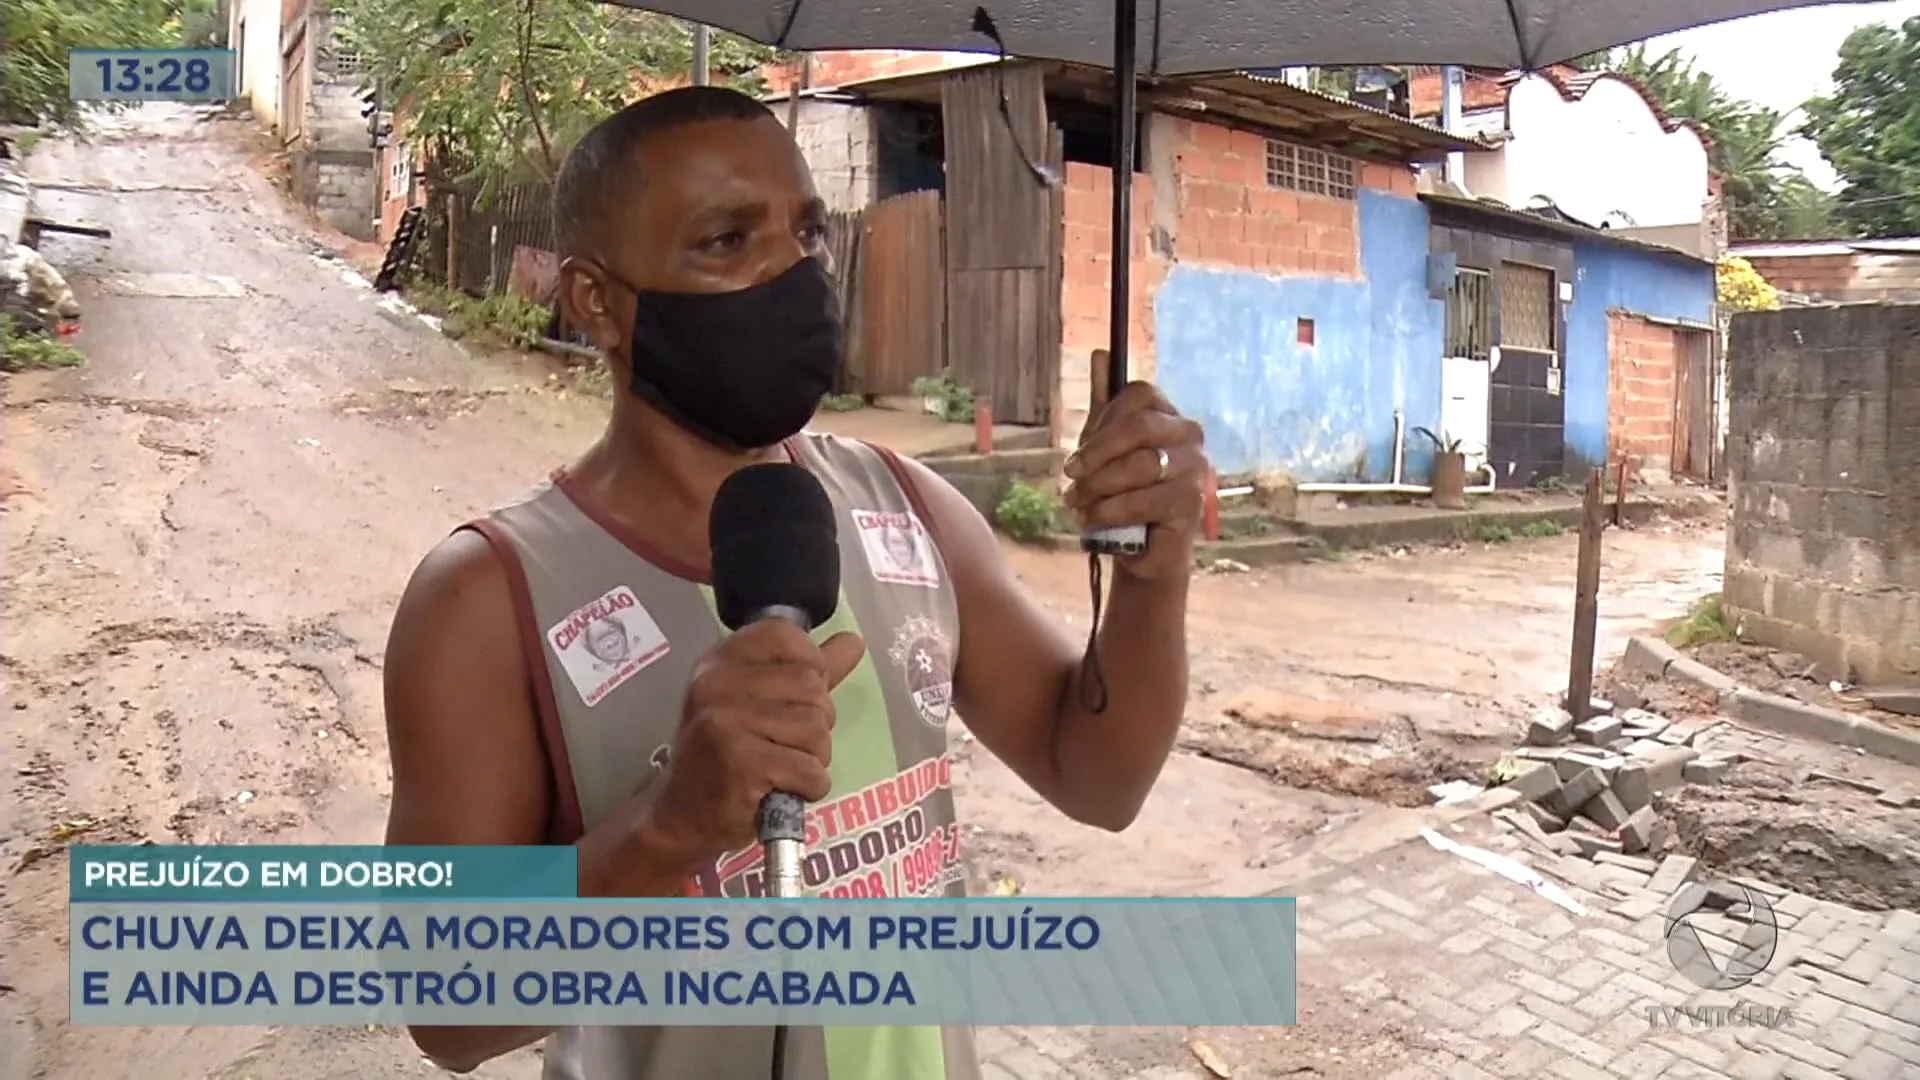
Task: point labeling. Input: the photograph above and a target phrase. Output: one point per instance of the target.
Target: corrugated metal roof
(1566, 227)
(1305, 115)
(1803, 249)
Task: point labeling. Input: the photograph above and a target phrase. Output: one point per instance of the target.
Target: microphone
(776, 555)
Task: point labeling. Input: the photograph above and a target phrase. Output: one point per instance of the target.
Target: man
(692, 246)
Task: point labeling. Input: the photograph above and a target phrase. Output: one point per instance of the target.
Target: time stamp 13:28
(151, 74)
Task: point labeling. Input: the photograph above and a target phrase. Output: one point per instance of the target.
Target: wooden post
(1098, 392)
(1586, 597)
(1211, 527)
(453, 241)
(1620, 495)
(983, 425)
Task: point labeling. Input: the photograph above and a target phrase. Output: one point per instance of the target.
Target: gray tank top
(611, 631)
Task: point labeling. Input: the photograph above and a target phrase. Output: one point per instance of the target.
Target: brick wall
(1086, 286)
(1228, 216)
(1205, 202)
(1823, 547)
(845, 66)
(1814, 275)
(1847, 277)
(1642, 361)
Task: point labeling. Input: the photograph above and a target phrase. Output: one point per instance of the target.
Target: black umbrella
(1157, 38)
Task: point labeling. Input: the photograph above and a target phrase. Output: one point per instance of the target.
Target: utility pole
(700, 42)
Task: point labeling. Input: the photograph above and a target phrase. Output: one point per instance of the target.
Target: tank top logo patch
(925, 658)
(893, 838)
(605, 643)
(898, 548)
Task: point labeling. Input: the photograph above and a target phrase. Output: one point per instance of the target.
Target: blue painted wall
(1227, 354)
(1606, 278)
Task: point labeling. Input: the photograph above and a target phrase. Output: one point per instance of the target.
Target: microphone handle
(783, 824)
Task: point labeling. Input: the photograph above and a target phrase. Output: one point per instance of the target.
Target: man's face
(719, 205)
(607, 640)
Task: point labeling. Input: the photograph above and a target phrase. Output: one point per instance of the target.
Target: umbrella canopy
(1188, 37)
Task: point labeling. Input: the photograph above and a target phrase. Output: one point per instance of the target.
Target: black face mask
(742, 370)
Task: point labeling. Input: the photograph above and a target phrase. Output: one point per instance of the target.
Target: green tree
(1767, 198)
(1869, 129)
(499, 91)
(40, 33)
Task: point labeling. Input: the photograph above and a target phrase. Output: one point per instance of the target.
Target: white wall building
(253, 29)
(1593, 145)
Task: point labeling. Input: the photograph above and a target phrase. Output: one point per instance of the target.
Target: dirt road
(206, 528)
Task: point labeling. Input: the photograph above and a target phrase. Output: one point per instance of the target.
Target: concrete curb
(1771, 712)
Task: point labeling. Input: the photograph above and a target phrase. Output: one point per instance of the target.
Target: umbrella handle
(1119, 540)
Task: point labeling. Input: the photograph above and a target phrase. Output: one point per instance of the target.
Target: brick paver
(1478, 978)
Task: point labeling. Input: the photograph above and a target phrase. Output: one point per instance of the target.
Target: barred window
(1526, 307)
(1314, 172)
(1469, 315)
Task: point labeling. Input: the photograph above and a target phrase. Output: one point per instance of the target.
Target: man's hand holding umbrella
(1142, 464)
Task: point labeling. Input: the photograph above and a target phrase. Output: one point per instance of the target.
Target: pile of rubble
(1587, 790)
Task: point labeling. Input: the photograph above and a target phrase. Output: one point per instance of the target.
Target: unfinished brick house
(1839, 271)
(1279, 250)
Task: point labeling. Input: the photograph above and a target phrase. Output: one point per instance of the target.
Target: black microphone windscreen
(774, 543)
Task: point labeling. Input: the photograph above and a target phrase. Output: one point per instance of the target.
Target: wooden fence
(483, 236)
(888, 259)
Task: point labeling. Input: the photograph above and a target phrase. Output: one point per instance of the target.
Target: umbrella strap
(983, 25)
(1093, 681)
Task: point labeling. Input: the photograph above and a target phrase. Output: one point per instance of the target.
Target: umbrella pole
(1122, 539)
(1125, 111)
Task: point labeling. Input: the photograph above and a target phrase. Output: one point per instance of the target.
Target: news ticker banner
(323, 936)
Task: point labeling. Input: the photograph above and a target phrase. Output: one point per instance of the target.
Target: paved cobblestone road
(1416, 964)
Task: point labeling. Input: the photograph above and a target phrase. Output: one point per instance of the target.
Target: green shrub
(1707, 622)
(33, 352)
(946, 398)
(1027, 513)
(497, 320)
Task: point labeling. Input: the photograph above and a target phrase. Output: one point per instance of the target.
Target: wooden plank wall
(845, 231)
(1003, 281)
(902, 309)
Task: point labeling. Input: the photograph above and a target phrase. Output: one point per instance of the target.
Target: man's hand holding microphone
(758, 718)
(755, 737)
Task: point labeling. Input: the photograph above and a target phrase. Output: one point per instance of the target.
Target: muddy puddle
(1335, 748)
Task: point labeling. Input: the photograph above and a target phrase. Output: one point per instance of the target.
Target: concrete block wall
(840, 145)
(1823, 545)
(1642, 359)
(334, 166)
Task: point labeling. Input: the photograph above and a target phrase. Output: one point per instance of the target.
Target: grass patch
(842, 403)
(594, 379)
(33, 352)
(1545, 527)
(1706, 623)
(1495, 534)
(498, 320)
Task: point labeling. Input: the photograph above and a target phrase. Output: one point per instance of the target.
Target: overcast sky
(1780, 60)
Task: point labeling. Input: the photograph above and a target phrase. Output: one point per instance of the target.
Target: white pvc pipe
(1396, 486)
